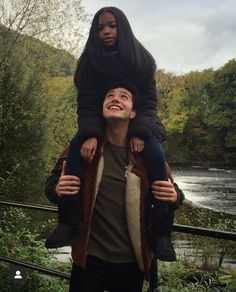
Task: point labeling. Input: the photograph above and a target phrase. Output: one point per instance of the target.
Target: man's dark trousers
(100, 276)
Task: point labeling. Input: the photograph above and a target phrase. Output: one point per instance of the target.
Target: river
(208, 187)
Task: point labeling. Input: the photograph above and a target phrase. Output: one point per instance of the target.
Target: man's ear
(133, 114)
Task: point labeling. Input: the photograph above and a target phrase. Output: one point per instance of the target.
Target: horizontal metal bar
(35, 267)
(177, 227)
(29, 206)
(205, 232)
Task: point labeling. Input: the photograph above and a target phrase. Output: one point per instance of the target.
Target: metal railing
(36, 267)
(177, 228)
(29, 206)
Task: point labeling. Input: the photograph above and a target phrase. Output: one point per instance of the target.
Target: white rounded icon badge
(18, 275)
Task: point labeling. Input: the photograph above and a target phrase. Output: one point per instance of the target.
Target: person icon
(18, 275)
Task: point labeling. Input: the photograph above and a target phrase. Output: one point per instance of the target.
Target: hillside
(51, 61)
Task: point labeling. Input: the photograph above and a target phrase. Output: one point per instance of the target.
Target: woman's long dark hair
(136, 58)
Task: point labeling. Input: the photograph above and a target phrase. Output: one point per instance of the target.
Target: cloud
(182, 35)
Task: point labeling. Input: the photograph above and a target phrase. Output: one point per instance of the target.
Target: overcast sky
(182, 35)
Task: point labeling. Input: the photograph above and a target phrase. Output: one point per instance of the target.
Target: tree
(220, 113)
(199, 112)
(26, 64)
(22, 125)
(174, 113)
(195, 133)
(61, 121)
(58, 23)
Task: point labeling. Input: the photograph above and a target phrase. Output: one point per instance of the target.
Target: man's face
(118, 104)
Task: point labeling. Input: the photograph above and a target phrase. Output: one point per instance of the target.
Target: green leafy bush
(229, 278)
(19, 241)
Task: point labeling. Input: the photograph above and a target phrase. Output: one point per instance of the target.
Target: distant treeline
(38, 115)
(199, 112)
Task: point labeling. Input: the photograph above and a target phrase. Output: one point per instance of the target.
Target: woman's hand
(136, 144)
(164, 191)
(88, 149)
(68, 185)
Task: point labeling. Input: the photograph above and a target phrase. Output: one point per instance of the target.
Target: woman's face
(107, 30)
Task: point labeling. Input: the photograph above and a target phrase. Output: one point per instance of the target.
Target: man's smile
(114, 107)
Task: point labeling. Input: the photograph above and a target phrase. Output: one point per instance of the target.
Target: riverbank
(206, 163)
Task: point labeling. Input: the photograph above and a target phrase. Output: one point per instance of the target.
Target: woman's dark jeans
(154, 157)
(75, 163)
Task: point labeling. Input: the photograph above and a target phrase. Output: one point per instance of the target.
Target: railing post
(153, 282)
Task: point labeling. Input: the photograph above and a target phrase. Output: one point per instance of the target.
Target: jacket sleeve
(52, 180)
(88, 101)
(180, 193)
(49, 188)
(146, 122)
(180, 198)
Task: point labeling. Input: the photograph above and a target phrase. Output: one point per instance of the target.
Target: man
(113, 250)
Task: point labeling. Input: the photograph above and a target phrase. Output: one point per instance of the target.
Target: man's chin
(116, 118)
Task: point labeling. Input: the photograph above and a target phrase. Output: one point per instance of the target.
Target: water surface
(208, 187)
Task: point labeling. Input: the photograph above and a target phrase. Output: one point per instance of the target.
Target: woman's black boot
(67, 231)
(162, 219)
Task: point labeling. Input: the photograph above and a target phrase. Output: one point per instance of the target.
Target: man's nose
(116, 98)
